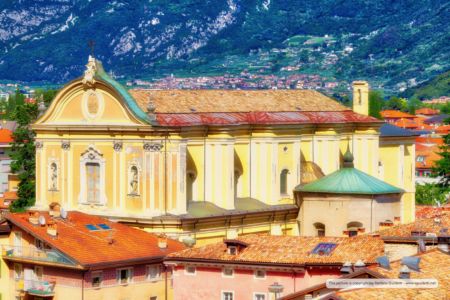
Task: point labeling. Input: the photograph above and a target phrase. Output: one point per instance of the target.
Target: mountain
(434, 88)
(394, 44)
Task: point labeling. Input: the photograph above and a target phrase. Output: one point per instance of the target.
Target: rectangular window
(39, 244)
(260, 274)
(227, 272)
(18, 271)
(232, 250)
(124, 276)
(93, 182)
(190, 270)
(259, 296)
(154, 298)
(153, 272)
(97, 278)
(38, 272)
(227, 295)
(18, 242)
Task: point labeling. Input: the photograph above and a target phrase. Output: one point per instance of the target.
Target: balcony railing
(42, 288)
(35, 254)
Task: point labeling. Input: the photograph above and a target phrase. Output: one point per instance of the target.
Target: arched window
(353, 228)
(320, 229)
(190, 185)
(284, 182)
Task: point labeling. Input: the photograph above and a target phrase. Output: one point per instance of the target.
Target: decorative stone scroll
(65, 145)
(153, 147)
(118, 146)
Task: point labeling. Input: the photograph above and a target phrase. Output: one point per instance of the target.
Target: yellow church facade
(204, 164)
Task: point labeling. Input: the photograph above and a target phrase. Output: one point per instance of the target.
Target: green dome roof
(349, 181)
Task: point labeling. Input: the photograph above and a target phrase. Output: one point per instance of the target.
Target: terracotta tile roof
(406, 123)
(427, 111)
(188, 101)
(444, 129)
(90, 248)
(434, 264)
(429, 155)
(194, 119)
(5, 136)
(429, 140)
(428, 211)
(395, 114)
(236, 107)
(288, 250)
(428, 224)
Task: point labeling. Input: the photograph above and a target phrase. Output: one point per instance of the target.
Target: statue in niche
(134, 180)
(53, 177)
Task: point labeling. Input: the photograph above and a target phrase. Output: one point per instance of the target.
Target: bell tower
(361, 97)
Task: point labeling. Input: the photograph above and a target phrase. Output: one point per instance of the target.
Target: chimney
(404, 272)
(346, 268)
(359, 265)
(51, 229)
(162, 241)
(361, 97)
(443, 243)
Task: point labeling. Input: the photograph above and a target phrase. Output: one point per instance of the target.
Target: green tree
(445, 108)
(375, 103)
(414, 104)
(47, 95)
(429, 194)
(442, 166)
(22, 154)
(396, 103)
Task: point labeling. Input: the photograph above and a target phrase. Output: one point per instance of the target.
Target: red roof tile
(288, 250)
(238, 118)
(431, 223)
(427, 111)
(395, 114)
(90, 248)
(434, 264)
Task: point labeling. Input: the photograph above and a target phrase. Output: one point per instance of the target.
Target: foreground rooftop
(288, 250)
(91, 241)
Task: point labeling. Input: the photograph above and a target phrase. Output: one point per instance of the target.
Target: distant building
(79, 256)
(426, 112)
(246, 267)
(8, 181)
(392, 116)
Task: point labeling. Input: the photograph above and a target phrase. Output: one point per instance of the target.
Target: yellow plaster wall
(242, 150)
(5, 281)
(70, 109)
(197, 153)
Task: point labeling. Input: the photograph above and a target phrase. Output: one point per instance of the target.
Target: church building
(202, 165)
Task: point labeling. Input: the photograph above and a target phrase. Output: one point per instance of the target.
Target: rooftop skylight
(324, 248)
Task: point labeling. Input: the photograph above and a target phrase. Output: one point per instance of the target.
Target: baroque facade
(204, 164)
